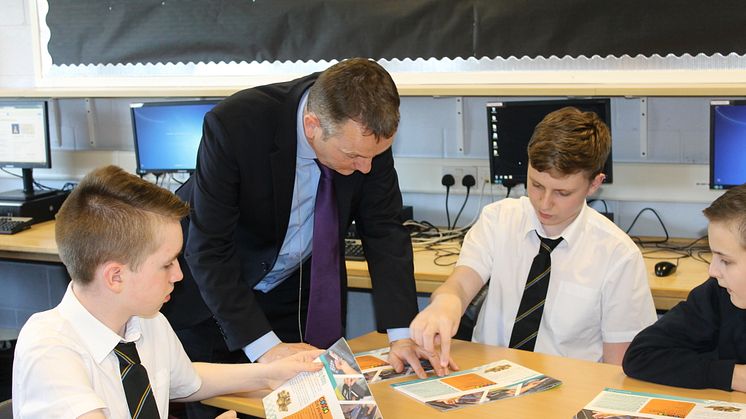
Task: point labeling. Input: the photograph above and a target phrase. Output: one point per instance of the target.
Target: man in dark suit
(248, 238)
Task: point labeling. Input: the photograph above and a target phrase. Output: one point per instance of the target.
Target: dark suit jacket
(240, 197)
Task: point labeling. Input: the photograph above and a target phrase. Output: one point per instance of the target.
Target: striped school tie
(135, 382)
(527, 321)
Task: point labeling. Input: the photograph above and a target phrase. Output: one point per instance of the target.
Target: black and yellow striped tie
(527, 321)
(135, 382)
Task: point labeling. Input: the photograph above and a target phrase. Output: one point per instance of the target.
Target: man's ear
(112, 273)
(311, 126)
(596, 183)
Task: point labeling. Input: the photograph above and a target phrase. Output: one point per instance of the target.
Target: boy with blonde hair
(106, 350)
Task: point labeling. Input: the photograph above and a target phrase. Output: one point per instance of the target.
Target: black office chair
(6, 409)
(469, 319)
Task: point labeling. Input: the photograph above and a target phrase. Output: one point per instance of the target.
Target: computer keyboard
(12, 225)
(354, 250)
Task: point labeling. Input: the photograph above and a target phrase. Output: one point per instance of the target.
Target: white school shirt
(65, 366)
(598, 289)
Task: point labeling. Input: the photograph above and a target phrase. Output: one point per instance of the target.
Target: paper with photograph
(338, 391)
(483, 384)
(621, 404)
(375, 366)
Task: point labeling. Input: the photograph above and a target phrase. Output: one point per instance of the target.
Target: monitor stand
(28, 193)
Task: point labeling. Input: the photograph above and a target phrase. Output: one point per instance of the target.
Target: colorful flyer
(339, 390)
(621, 404)
(375, 366)
(493, 381)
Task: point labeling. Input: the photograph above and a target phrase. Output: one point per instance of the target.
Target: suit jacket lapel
(283, 159)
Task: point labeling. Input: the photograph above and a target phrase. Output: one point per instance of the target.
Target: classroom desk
(581, 382)
(667, 291)
(34, 244)
(37, 244)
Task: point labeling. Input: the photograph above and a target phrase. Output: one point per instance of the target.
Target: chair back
(6, 409)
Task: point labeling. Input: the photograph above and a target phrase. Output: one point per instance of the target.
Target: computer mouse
(664, 268)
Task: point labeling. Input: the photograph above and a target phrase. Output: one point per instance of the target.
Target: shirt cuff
(398, 333)
(257, 348)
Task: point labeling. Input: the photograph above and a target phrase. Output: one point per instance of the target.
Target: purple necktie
(324, 322)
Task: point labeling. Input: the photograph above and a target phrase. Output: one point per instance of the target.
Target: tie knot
(547, 244)
(326, 172)
(127, 351)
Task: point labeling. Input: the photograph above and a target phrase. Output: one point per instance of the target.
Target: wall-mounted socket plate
(458, 173)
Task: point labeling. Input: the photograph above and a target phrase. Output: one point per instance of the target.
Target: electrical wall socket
(483, 175)
(458, 173)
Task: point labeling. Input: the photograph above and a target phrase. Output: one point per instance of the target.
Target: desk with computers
(166, 136)
(25, 145)
(167, 133)
(37, 244)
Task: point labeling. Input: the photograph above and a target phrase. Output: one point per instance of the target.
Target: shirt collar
(569, 234)
(95, 336)
(304, 150)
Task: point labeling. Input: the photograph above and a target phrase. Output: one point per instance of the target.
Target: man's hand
(284, 350)
(406, 351)
(738, 382)
(436, 324)
(288, 367)
(231, 414)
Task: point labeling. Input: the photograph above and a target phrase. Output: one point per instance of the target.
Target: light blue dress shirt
(297, 244)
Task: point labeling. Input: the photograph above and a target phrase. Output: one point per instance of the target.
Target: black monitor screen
(167, 134)
(510, 126)
(24, 134)
(727, 144)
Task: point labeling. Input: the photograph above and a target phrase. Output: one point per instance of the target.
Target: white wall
(16, 60)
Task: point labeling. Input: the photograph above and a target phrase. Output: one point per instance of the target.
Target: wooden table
(34, 244)
(667, 291)
(670, 290)
(581, 382)
(427, 274)
(37, 244)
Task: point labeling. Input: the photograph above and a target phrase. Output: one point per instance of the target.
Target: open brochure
(338, 391)
(375, 366)
(622, 404)
(493, 381)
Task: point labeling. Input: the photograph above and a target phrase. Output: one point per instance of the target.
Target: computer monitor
(24, 143)
(167, 134)
(727, 144)
(510, 126)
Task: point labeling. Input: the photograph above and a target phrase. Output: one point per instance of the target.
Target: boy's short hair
(358, 89)
(112, 215)
(568, 141)
(730, 207)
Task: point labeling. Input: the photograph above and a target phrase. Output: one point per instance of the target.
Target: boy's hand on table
(435, 325)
